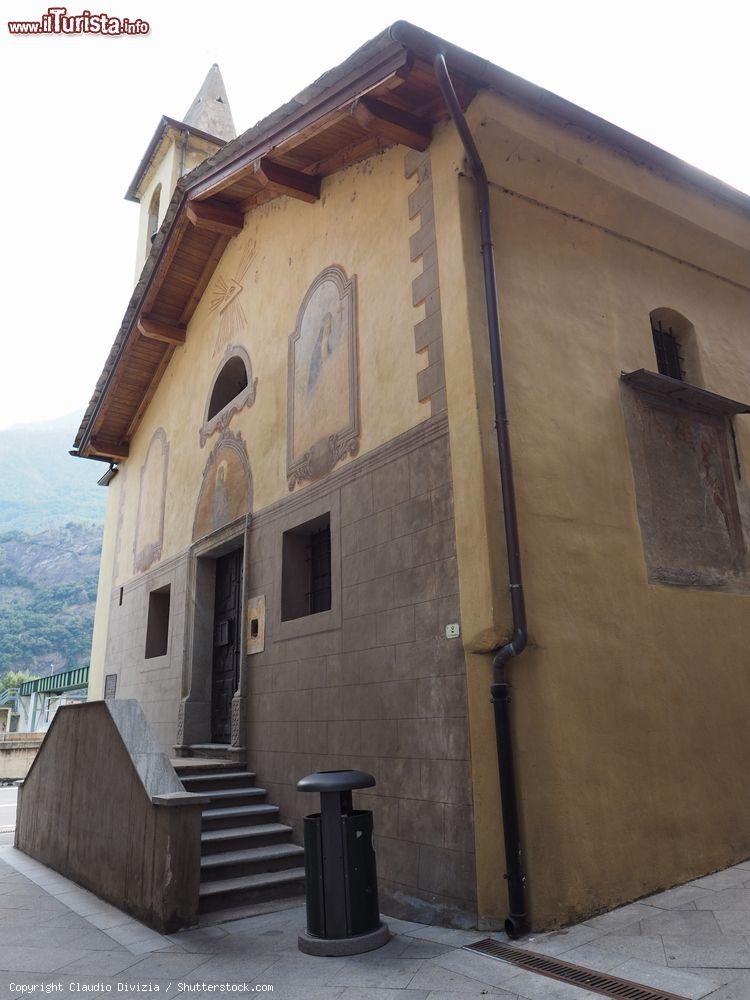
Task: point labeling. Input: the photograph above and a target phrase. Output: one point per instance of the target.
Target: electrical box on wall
(256, 624)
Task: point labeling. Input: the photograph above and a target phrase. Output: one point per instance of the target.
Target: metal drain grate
(566, 972)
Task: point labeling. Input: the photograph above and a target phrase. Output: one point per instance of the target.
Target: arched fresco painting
(323, 388)
(149, 529)
(226, 490)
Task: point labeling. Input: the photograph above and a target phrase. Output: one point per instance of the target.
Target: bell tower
(176, 147)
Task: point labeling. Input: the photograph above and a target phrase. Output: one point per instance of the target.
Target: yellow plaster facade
(288, 243)
(626, 763)
(629, 703)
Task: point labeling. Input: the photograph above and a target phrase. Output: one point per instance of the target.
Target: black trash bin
(343, 917)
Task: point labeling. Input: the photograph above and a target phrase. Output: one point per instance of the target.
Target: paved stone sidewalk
(692, 941)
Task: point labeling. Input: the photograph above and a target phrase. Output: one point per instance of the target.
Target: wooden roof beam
(392, 123)
(118, 452)
(156, 329)
(283, 180)
(206, 274)
(311, 120)
(215, 217)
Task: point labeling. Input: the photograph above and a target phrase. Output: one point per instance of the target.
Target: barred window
(306, 569)
(667, 347)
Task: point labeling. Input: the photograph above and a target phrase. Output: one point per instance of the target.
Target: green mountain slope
(41, 485)
(51, 514)
(47, 596)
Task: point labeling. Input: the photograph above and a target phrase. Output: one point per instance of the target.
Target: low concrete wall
(103, 806)
(17, 753)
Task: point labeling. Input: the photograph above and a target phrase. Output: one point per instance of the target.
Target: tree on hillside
(14, 679)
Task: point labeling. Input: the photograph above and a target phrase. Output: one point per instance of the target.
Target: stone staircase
(247, 856)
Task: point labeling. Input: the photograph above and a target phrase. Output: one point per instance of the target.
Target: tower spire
(210, 111)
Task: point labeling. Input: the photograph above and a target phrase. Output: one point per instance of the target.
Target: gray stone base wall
(374, 684)
(17, 754)
(157, 682)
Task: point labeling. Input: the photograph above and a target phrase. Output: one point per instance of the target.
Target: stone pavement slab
(692, 940)
(708, 951)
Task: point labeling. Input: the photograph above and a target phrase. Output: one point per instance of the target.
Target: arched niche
(669, 325)
(232, 389)
(152, 494)
(153, 216)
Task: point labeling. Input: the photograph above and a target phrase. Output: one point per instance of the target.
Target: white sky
(79, 112)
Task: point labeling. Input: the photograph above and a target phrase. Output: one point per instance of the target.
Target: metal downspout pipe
(183, 149)
(516, 921)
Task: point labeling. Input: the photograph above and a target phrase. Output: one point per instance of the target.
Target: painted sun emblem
(225, 300)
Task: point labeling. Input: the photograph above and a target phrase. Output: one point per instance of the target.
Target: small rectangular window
(667, 347)
(157, 627)
(306, 569)
(110, 686)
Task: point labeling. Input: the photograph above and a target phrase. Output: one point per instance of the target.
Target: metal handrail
(10, 694)
(66, 680)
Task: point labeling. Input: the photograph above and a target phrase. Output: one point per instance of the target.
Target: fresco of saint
(323, 404)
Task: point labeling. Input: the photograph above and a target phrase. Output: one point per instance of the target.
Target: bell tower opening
(153, 215)
(177, 147)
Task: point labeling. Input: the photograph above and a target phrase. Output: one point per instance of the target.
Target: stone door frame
(194, 718)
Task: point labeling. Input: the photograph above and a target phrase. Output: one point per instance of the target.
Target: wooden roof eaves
(259, 142)
(401, 41)
(379, 56)
(129, 319)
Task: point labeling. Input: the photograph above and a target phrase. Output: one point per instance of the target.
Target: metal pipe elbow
(514, 647)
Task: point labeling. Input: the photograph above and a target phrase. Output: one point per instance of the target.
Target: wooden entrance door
(226, 659)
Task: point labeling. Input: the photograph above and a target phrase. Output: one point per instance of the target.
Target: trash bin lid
(335, 781)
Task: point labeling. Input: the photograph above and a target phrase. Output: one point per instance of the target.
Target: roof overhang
(684, 393)
(161, 132)
(485, 74)
(385, 93)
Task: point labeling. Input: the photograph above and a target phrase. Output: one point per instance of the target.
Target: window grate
(306, 578)
(320, 570)
(667, 347)
(567, 972)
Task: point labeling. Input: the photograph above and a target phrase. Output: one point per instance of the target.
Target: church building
(319, 552)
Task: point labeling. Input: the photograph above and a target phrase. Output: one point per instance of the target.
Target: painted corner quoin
(428, 332)
(323, 379)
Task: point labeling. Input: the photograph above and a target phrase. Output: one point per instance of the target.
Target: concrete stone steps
(255, 860)
(200, 765)
(241, 838)
(215, 819)
(215, 751)
(215, 780)
(240, 891)
(247, 856)
(243, 796)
